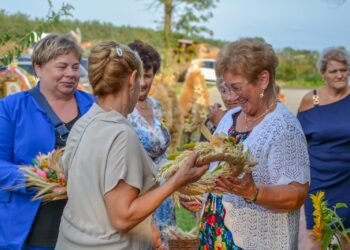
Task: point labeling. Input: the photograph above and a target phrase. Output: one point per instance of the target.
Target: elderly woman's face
(228, 96)
(245, 93)
(336, 75)
(146, 83)
(60, 75)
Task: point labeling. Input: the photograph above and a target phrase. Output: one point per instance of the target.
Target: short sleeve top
(102, 149)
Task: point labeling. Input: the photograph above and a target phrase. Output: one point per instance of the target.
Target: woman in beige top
(110, 178)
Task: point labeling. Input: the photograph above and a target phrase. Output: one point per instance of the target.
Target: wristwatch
(251, 201)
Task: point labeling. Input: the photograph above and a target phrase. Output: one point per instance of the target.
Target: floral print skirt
(213, 234)
(164, 217)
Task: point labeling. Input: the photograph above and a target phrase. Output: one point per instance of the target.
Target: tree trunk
(168, 12)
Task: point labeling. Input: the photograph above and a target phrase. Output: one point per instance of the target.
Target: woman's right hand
(190, 205)
(215, 113)
(189, 172)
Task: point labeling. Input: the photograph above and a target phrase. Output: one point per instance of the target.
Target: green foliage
(191, 14)
(297, 68)
(328, 226)
(18, 25)
(185, 16)
(28, 37)
(185, 219)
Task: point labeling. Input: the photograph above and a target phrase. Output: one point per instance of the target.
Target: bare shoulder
(307, 102)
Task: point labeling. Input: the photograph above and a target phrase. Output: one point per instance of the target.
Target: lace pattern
(279, 147)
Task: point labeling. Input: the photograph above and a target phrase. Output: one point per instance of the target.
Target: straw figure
(194, 100)
(162, 90)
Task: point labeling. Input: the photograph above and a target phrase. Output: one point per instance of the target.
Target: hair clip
(119, 52)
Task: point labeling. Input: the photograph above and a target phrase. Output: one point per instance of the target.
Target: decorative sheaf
(233, 161)
(47, 176)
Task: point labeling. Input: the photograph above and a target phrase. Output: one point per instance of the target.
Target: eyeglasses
(228, 88)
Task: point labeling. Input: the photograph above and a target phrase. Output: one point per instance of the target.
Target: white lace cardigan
(279, 147)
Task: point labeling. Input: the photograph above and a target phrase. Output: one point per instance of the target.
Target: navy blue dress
(327, 130)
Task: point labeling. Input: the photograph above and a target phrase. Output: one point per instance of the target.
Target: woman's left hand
(244, 187)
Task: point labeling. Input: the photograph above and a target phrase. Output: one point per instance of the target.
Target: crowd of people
(115, 143)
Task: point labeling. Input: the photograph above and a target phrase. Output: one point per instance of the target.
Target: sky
(300, 24)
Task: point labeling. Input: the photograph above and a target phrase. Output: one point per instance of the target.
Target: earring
(262, 94)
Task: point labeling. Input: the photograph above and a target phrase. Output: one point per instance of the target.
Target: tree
(184, 16)
(14, 47)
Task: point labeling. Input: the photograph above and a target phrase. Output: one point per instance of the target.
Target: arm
(288, 170)
(10, 176)
(282, 198)
(126, 208)
(307, 102)
(278, 198)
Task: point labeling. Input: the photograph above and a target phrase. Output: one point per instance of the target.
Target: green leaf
(340, 205)
(173, 156)
(189, 146)
(327, 237)
(231, 140)
(216, 169)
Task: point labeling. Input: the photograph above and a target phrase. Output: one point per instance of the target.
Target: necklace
(251, 120)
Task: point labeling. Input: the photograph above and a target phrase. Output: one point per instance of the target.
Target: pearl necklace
(251, 120)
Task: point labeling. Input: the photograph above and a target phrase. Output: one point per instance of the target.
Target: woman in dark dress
(323, 114)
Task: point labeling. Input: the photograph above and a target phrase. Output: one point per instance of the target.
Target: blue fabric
(327, 130)
(25, 130)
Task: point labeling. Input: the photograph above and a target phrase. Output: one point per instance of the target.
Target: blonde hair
(332, 54)
(248, 57)
(52, 46)
(110, 66)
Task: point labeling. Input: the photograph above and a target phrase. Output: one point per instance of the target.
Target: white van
(206, 66)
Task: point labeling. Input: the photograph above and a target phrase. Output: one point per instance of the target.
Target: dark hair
(110, 66)
(149, 56)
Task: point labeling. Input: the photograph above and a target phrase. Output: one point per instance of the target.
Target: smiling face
(228, 97)
(59, 76)
(146, 83)
(246, 94)
(336, 75)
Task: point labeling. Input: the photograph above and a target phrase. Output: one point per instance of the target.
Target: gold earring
(262, 94)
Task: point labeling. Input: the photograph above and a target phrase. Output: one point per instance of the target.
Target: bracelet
(251, 201)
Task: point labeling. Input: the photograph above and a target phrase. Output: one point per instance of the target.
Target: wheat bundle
(222, 149)
(47, 176)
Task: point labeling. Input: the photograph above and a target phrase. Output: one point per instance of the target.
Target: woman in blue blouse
(25, 130)
(147, 120)
(323, 114)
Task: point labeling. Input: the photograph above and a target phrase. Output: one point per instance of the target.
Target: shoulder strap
(315, 98)
(60, 127)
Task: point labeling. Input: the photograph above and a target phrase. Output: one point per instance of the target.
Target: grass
(185, 219)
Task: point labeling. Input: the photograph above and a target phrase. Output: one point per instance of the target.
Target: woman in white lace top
(258, 210)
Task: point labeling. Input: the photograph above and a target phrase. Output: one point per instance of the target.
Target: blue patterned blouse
(154, 139)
